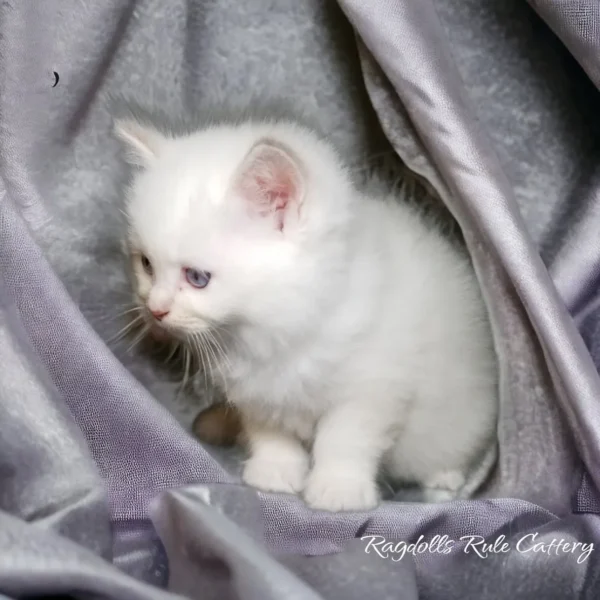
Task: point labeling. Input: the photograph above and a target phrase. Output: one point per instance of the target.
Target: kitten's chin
(160, 334)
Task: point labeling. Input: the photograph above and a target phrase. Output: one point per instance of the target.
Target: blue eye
(146, 264)
(198, 279)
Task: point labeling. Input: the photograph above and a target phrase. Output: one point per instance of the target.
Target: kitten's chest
(275, 383)
(291, 394)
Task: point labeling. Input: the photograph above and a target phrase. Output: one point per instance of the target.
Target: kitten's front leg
(348, 447)
(278, 462)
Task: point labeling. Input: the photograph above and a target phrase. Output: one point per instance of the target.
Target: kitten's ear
(271, 179)
(141, 141)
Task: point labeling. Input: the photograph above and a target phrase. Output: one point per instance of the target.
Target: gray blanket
(103, 492)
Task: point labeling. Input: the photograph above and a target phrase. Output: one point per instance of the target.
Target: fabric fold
(409, 44)
(482, 101)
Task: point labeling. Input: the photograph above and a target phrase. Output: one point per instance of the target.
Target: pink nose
(159, 315)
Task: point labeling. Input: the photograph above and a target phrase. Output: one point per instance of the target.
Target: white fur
(353, 339)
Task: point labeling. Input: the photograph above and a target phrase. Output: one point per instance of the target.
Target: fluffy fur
(348, 332)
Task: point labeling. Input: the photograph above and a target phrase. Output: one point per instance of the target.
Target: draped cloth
(103, 491)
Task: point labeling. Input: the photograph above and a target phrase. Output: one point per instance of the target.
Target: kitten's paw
(443, 487)
(283, 474)
(334, 491)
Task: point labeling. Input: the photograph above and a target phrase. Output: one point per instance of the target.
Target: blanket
(103, 490)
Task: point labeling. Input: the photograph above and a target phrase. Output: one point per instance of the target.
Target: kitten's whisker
(125, 330)
(139, 338)
(222, 332)
(192, 347)
(186, 372)
(123, 313)
(218, 348)
(130, 310)
(181, 389)
(219, 342)
(201, 356)
(175, 347)
(223, 363)
(107, 318)
(210, 343)
(210, 352)
(208, 367)
(102, 319)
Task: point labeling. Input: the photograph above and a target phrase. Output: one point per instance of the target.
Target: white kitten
(349, 333)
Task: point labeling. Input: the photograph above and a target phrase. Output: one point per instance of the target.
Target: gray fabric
(103, 493)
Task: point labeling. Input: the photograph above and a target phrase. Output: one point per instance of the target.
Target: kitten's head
(232, 224)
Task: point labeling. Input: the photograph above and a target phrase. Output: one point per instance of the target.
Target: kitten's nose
(159, 315)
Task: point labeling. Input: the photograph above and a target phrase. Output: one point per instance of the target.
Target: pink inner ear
(271, 181)
(276, 193)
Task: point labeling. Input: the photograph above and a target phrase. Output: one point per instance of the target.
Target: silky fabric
(494, 106)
